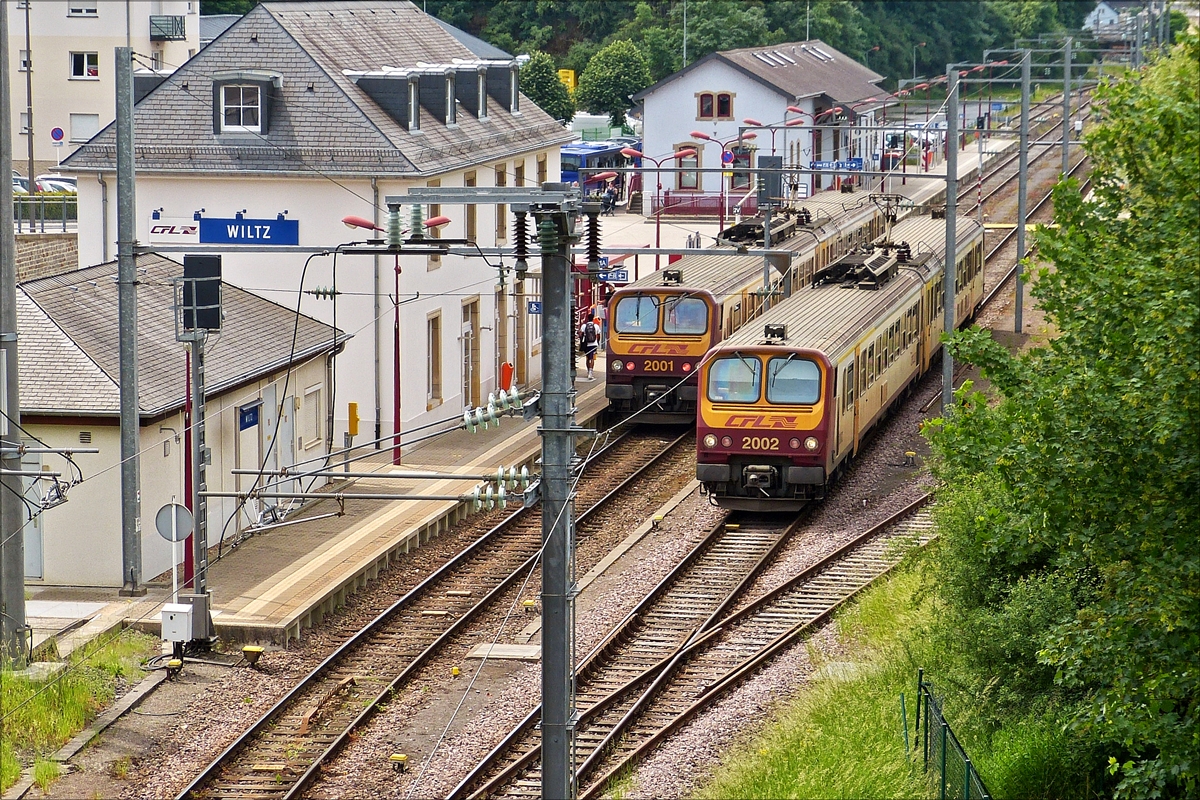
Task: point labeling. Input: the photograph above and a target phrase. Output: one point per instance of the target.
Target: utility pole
(12, 520)
(1066, 126)
(1022, 190)
(951, 234)
(555, 233)
(29, 98)
(131, 518)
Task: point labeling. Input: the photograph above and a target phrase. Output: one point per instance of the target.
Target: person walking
(589, 341)
(600, 312)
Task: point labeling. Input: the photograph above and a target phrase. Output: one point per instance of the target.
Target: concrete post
(558, 527)
(12, 517)
(131, 521)
(1022, 191)
(951, 240)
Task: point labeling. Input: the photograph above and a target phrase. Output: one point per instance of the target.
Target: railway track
(681, 648)
(280, 754)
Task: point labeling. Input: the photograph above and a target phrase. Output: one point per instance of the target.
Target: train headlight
(615, 366)
(710, 441)
(811, 443)
(726, 441)
(794, 443)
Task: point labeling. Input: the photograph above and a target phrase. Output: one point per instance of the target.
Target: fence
(940, 749)
(45, 212)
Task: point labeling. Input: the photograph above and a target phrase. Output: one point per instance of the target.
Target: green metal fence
(941, 751)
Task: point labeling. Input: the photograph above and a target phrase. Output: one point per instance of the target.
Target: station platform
(279, 582)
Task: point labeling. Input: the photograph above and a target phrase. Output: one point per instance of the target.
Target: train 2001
(784, 403)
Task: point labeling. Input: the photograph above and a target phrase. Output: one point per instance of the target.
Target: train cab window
(734, 379)
(687, 315)
(636, 314)
(793, 381)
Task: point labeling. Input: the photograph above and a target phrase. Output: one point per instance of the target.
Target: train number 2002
(654, 365)
(760, 443)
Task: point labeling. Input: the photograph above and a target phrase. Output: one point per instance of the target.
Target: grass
(45, 772)
(841, 736)
(38, 718)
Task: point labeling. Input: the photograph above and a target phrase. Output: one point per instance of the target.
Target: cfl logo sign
(174, 230)
(762, 421)
(658, 349)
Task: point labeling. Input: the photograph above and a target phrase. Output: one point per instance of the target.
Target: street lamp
(658, 162)
(815, 156)
(352, 221)
(867, 56)
(724, 148)
(915, 59)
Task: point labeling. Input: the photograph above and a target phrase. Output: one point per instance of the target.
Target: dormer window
(242, 100)
(241, 109)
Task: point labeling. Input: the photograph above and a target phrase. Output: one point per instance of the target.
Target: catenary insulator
(521, 240)
(394, 234)
(416, 222)
(593, 243)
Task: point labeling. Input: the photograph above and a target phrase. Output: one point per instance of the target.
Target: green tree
(1069, 563)
(210, 7)
(539, 81)
(613, 75)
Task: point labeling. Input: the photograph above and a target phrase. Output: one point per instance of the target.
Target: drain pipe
(377, 327)
(103, 215)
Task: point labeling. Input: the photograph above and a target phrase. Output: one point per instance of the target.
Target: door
(501, 330)
(35, 490)
(470, 354)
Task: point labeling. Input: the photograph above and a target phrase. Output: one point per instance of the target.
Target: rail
(39, 213)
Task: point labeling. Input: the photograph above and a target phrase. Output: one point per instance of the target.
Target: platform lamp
(393, 242)
(704, 137)
(658, 162)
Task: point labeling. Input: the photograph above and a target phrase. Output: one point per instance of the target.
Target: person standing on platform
(589, 341)
(600, 312)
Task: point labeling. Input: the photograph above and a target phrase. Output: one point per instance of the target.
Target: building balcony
(168, 28)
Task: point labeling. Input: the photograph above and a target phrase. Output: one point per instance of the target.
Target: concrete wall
(318, 204)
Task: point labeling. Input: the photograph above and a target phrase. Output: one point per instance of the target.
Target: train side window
(848, 387)
(734, 379)
(685, 315)
(862, 372)
(871, 371)
(636, 314)
(793, 381)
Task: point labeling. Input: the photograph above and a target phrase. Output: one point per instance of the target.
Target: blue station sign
(848, 165)
(243, 230)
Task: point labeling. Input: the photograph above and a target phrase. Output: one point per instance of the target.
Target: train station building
(301, 114)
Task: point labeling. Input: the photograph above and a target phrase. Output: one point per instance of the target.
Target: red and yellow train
(661, 326)
(784, 404)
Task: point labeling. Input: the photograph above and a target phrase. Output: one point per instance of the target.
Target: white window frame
(312, 420)
(87, 56)
(225, 126)
(88, 9)
(23, 121)
(23, 60)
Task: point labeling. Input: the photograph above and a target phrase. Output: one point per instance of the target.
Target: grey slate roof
(818, 70)
(69, 359)
(213, 25)
(321, 122)
(476, 45)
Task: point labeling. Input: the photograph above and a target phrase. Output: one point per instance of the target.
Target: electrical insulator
(476, 503)
(502, 497)
(323, 292)
(521, 240)
(593, 243)
(394, 234)
(490, 496)
(416, 222)
(468, 423)
(548, 235)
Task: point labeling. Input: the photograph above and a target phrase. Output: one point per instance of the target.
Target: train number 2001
(654, 365)
(760, 443)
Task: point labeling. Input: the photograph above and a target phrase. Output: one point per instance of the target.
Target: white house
(1112, 17)
(70, 397)
(302, 113)
(718, 93)
(70, 45)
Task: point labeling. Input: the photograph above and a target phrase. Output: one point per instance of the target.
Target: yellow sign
(567, 76)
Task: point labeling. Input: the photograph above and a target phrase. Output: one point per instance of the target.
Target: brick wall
(42, 254)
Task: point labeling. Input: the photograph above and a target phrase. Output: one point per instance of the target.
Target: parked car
(20, 185)
(54, 176)
(47, 184)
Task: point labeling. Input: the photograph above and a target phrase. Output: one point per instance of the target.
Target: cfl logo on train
(761, 421)
(658, 349)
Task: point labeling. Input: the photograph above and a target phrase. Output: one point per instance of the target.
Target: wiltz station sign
(219, 230)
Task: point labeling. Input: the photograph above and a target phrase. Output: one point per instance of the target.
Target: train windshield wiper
(775, 374)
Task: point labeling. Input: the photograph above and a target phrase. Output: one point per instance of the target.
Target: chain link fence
(941, 751)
